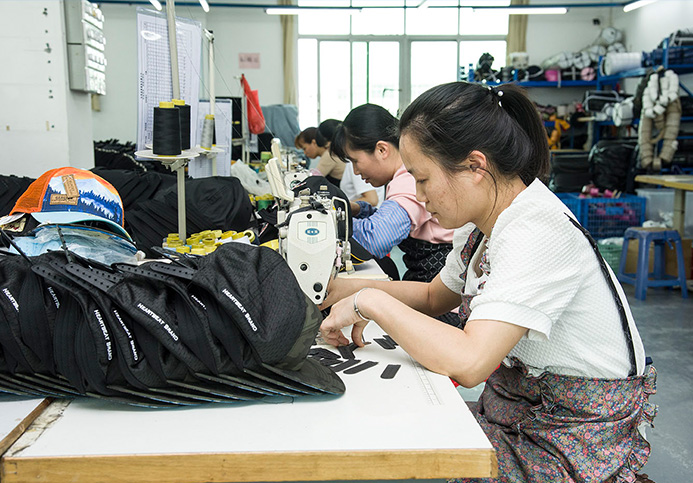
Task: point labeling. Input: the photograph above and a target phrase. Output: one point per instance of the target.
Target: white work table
(412, 426)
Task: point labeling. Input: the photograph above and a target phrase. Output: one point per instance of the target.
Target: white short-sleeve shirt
(545, 276)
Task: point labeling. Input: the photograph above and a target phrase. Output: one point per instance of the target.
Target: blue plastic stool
(643, 278)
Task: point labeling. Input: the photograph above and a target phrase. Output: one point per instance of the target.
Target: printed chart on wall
(154, 69)
(201, 167)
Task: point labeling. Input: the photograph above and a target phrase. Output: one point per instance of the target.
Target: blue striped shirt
(379, 230)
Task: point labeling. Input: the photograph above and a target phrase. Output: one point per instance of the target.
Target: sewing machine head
(313, 232)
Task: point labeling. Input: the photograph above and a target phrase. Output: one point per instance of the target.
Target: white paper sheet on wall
(154, 69)
(201, 167)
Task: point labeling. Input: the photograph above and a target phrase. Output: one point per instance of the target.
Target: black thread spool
(166, 132)
(184, 111)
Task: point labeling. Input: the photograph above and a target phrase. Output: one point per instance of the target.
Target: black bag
(611, 162)
(569, 171)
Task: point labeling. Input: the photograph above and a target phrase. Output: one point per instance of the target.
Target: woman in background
(315, 143)
(368, 140)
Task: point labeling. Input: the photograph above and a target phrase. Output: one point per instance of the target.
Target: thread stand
(210, 154)
(176, 164)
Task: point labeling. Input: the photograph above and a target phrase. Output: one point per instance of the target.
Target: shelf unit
(604, 81)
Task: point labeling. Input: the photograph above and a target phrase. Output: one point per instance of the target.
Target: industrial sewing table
(412, 426)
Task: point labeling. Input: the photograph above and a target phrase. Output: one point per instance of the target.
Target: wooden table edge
(18, 430)
(655, 180)
(248, 467)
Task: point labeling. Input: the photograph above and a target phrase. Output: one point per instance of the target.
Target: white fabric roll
(620, 62)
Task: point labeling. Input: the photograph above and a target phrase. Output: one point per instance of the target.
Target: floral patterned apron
(557, 428)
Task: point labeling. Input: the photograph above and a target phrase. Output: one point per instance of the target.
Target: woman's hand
(343, 315)
(355, 208)
(338, 289)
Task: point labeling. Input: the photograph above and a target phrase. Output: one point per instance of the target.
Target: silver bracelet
(356, 307)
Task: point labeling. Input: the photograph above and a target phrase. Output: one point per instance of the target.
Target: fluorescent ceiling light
(524, 11)
(297, 10)
(157, 4)
(637, 4)
(205, 5)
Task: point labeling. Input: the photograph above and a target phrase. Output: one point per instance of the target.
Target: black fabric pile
(11, 188)
(219, 203)
(134, 186)
(113, 154)
(197, 330)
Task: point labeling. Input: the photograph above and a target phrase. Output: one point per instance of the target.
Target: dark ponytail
(450, 121)
(361, 130)
(326, 131)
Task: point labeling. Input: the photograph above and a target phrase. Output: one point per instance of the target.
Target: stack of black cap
(231, 326)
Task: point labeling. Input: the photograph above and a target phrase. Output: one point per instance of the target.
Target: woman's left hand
(342, 315)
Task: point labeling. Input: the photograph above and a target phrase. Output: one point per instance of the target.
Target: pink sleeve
(402, 190)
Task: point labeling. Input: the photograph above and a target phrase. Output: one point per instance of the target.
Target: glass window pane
(377, 21)
(470, 51)
(359, 73)
(323, 22)
(432, 63)
(335, 86)
(308, 83)
(483, 22)
(431, 21)
(383, 75)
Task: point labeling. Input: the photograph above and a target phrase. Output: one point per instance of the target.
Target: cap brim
(68, 217)
(313, 375)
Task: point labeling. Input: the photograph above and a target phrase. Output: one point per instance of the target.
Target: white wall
(236, 30)
(43, 124)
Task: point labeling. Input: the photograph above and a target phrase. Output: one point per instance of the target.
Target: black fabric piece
(390, 371)
(324, 353)
(346, 352)
(614, 293)
(360, 367)
(345, 365)
(325, 361)
(385, 344)
(390, 339)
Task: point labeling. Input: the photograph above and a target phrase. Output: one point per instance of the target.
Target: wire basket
(606, 217)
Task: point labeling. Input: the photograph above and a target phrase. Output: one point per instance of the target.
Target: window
(390, 52)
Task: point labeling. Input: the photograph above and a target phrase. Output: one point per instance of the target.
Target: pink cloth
(402, 190)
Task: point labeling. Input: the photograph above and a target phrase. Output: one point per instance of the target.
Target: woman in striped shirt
(368, 139)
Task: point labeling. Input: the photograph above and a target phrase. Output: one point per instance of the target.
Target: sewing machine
(313, 230)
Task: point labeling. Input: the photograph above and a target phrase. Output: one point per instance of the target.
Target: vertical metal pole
(173, 47)
(180, 175)
(212, 98)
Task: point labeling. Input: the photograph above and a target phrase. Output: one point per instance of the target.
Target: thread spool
(166, 131)
(207, 137)
(616, 62)
(184, 112)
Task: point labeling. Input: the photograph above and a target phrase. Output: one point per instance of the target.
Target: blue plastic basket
(606, 217)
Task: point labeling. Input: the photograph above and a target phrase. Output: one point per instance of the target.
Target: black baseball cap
(257, 289)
